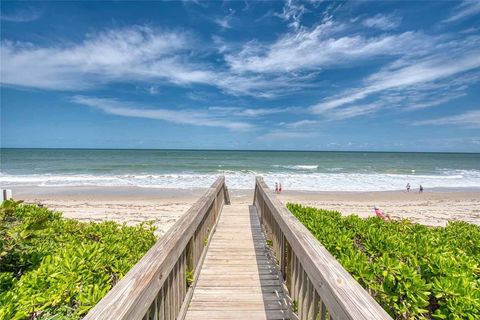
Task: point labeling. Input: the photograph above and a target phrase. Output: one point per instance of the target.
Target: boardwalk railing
(156, 287)
(318, 285)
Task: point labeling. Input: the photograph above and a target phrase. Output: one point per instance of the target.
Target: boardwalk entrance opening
(237, 262)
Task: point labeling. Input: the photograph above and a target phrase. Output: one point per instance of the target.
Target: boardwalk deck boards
(238, 279)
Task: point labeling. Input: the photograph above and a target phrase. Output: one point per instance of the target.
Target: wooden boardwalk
(238, 279)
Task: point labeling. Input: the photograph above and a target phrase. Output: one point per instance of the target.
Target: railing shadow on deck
(156, 287)
(319, 287)
(275, 304)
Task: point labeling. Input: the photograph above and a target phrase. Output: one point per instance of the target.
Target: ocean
(184, 169)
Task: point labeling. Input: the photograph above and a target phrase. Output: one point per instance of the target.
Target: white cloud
(469, 119)
(292, 62)
(260, 85)
(185, 116)
(129, 55)
(136, 53)
(153, 90)
(306, 128)
(321, 47)
(279, 135)
(353, 111)
(421, 100)
(292, 12)
(251, 112)
(302, 124)
(26, 14)
(225, 22)
(464, 10)
(383, 22)
(417, 73)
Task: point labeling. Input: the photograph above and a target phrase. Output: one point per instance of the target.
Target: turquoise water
(349, 171)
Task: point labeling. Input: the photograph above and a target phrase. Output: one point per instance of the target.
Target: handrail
(156, 287)
(317, 283)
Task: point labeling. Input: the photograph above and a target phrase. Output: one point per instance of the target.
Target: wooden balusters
(318, 285)
(156, 287)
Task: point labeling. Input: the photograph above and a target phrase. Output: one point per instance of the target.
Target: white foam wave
(297, 167)
(245, 180)
(334, 169)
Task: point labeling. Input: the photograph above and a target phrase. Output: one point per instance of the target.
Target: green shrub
(56, 268)
(413, 271)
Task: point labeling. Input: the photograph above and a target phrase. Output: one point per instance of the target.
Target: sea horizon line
(237, 150)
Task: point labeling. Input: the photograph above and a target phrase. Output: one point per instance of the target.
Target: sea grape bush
(413, 271)
(56, 268)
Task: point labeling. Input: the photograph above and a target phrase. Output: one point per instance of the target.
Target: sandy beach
(165, 206)
(430, 208)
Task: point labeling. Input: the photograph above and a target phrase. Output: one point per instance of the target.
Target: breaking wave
(314, 181)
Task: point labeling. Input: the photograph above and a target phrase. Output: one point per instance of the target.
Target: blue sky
(313, 75)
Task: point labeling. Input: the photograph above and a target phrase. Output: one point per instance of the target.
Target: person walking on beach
(276, 187)
(420, 190)
(408, 187)
(279, 187)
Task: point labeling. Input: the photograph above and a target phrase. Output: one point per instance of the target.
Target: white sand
(430, 208)
(165, 206)
(129, 205)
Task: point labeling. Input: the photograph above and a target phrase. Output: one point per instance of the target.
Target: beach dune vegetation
(413, 271)
(57, 268)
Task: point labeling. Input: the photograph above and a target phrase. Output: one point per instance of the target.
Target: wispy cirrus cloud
(135, 53)
(464, 10)
(300, 129)
(292, 13)
(383, 21)
(406, 81)
(179, 116)
(225, 21)
(302, 124)
(276, 135)
(354, 111)
(418, 78)
(323, 46)
(252, 112)
(261, 85)
(26, 14)
(468, 119)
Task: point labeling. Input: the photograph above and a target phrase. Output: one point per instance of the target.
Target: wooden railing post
(226, 194)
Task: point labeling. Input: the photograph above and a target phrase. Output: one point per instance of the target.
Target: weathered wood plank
(243, 306)
(239, 290)
(233, 315)
(234, 295)
(236, 277)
